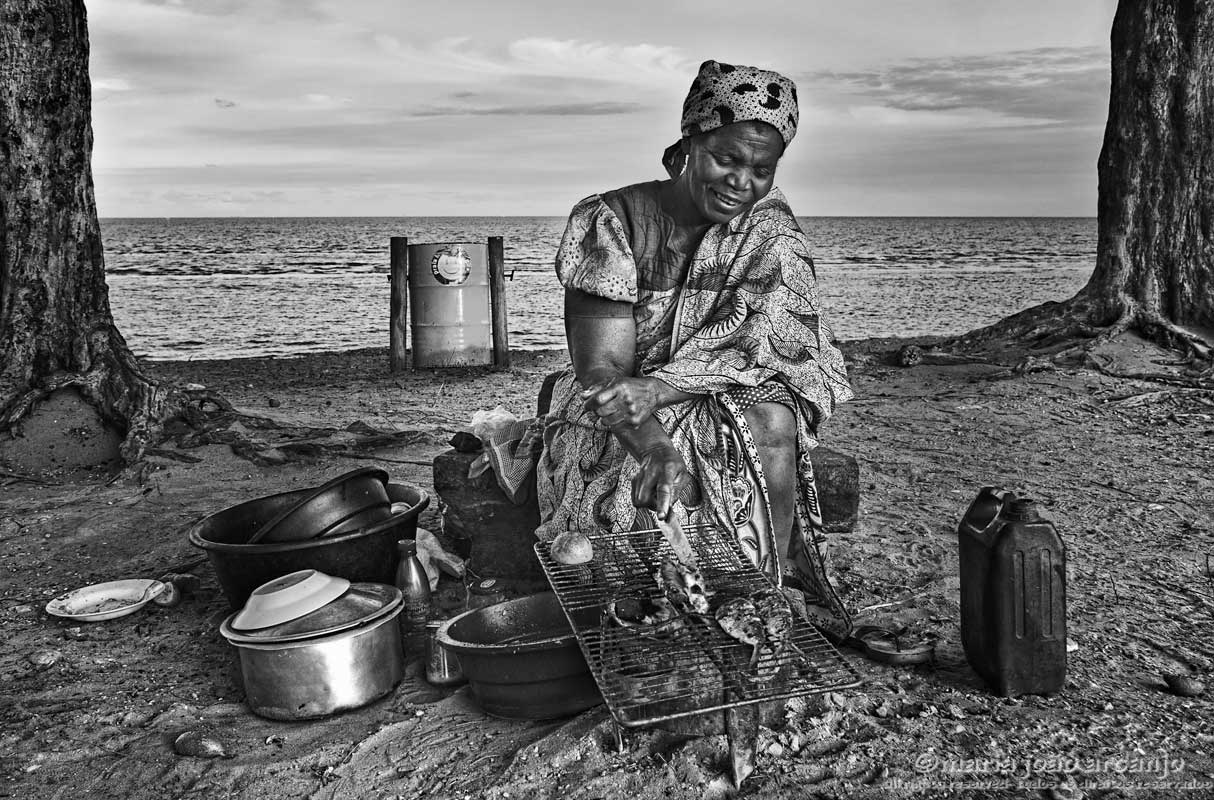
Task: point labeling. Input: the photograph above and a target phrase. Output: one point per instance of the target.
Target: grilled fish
(683, 585)
(773, 609)
(763, 621)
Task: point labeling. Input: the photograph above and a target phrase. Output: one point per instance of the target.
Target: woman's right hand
(623, 400)
(661, 479)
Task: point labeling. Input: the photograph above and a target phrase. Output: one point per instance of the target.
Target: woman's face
(731, 168)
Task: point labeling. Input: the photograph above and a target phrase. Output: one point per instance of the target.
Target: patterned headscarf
(723, 94)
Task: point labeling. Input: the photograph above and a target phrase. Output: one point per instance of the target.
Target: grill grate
(687, 666)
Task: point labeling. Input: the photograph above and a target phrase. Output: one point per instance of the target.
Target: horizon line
(565, 216)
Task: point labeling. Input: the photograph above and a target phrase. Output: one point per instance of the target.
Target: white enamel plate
(103, 601)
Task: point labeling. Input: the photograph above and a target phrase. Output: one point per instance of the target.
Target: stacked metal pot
(311, 644)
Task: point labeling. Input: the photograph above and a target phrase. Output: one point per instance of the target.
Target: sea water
(235, 287)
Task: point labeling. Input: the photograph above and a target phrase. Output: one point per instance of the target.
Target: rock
(494, 534)
(44, 658)
(466, 442)
(909, 355)
(169, 596)
(186, 582)
(200, 744)
(135, 719)
(837, 477)
(1184, 685)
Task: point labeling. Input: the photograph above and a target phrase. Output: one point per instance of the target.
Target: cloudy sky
(495, 107)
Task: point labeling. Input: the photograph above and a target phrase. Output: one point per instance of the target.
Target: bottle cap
(486, 586)
(407, 547)
(1023, 509)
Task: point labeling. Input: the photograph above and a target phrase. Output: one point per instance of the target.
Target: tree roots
(1052, 334)
(191, 418)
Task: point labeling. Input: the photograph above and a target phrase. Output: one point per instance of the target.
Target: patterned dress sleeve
(594, 255)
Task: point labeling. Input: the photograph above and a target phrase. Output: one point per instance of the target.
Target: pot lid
(359, 605)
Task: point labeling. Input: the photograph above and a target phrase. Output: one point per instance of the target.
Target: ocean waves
(223, 288)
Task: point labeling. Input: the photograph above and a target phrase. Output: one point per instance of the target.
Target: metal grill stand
(650, 674)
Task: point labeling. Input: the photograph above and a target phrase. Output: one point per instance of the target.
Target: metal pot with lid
(334, 654)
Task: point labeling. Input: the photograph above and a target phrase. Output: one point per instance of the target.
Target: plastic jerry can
(1013, 595)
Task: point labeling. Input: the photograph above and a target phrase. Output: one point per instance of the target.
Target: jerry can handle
(986, 508)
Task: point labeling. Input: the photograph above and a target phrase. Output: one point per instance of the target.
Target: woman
(701, 367)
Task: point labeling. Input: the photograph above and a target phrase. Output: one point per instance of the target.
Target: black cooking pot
(521, 659)
(367, 555)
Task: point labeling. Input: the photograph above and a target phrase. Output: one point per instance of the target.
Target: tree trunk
(1155, 210)
(56, 328)
(1155, 252)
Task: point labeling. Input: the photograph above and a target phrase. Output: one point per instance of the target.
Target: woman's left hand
(623, 401)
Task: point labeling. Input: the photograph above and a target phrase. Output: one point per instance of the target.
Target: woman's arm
(601, 336)
(602, 345)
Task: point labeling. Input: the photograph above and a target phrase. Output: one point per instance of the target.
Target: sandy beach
(92, 710)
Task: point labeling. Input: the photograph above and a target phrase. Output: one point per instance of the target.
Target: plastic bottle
(1013, 595)
(415, 586)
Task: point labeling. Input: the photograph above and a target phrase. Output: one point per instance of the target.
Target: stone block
(494, 534)
(837, 477)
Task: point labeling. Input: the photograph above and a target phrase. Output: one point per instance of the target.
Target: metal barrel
(449, 303)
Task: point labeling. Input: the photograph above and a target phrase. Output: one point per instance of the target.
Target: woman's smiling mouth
(725, 200)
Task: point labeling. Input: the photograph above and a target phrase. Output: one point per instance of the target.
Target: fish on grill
(740, 619)
(764, 621)
(683, 585)
(776, 614)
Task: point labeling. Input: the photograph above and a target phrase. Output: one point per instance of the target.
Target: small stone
(775, 749)
(44, 658)
(168, 597)
(199, 744)
(275, 402)
(909, 355)
(186, 582)
(1184, 685)
(135, 719)
(23, 610)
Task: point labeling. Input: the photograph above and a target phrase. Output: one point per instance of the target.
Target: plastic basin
(521, 659)
(368, 554)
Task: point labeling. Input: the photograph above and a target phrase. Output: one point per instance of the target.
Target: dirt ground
(91, 710)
